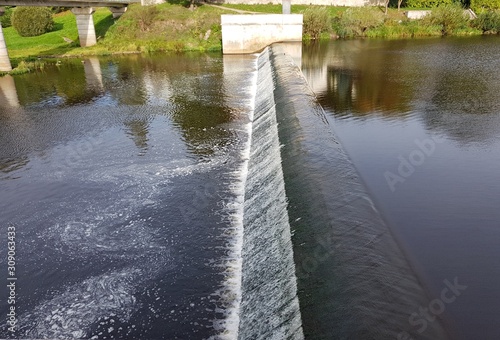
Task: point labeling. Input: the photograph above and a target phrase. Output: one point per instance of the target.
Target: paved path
(231, 9)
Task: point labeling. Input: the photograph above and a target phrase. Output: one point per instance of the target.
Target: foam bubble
(72, 313)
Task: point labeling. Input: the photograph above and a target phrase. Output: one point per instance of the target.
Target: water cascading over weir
(269, 304)
(317, 259)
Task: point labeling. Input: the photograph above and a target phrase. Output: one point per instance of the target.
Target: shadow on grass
(103, 25)
(57, 27)
(196, 3)
(184, 3)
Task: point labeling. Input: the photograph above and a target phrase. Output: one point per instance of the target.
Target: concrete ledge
(417, 14)
(251, 33)
(348, 3)
(469, 13)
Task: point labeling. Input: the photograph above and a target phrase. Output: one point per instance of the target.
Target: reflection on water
(137, 129)
(93, 74)
(134, 85)
(395, 78)
(119, 175)
(8, 93)
(342, 75)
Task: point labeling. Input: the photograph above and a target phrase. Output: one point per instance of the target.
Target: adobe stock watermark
(324, 249)
(202, 197)
(436, 307)
(11, 279)
(75, 154)
(406, 168)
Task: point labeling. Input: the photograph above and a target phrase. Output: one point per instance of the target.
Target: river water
(198, 196)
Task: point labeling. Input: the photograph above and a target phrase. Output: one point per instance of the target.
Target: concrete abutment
(5, 65)
(251, 33)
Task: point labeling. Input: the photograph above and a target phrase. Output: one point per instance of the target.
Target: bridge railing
(69, 3)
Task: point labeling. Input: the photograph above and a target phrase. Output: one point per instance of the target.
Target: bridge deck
(69, 3)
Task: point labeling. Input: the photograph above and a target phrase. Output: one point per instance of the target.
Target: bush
(316, 21)
(145, 17)
(427, 3)
(481, 5)
(5, 18)
(355, 21)
(449, 17)
(488, 22)
(406, 28)
(32, 21)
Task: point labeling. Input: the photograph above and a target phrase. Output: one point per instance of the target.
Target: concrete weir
(251, 33)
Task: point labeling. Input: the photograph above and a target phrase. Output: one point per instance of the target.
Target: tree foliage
(355, 21)
(316, 21)
(481, 5)
(488, 21)
(450, 17)
(427, 3)
(5, 18)
(32, 21)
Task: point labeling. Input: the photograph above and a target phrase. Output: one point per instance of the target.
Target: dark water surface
(206, 197)
(421, 122)
(121, 178)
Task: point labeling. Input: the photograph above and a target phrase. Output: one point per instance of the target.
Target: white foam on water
(127, 240)
(231, 292)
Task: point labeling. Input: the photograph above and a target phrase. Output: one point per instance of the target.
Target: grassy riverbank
(173, 27)
(164, 27)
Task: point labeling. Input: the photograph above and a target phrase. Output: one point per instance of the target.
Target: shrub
(481, 5)
(427, 3)
(316, 21)
(449, 17)
(488, 22)
(145, 17)
(356, 21)
(5, 18)
(406, 28)
(32, 21)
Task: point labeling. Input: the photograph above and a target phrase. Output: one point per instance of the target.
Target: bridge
(83, 11)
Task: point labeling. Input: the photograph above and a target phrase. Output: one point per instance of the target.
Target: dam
(219, 197)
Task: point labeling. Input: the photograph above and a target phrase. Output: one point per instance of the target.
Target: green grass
(166, 28)
(52, 43)
(173, 27)
(276, 9)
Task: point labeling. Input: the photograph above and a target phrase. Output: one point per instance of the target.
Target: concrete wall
(353, 3)
(413, 14)
(251, 33)
(151, 2)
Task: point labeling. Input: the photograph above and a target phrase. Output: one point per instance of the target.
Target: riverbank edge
(135, 17)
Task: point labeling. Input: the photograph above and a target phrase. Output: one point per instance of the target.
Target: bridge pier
(5, 65)
(85, 24)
